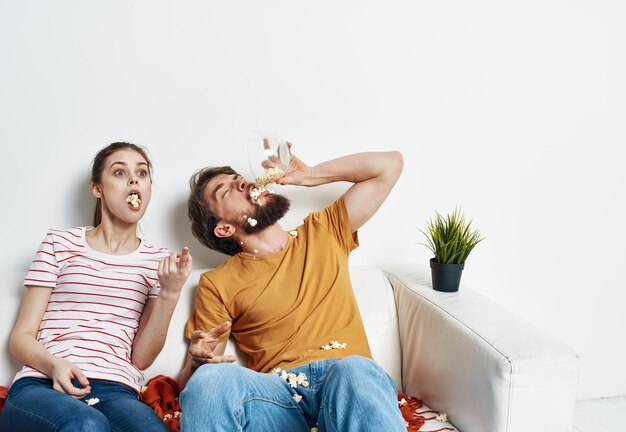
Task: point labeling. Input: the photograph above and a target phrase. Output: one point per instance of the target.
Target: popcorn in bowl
(270, 175)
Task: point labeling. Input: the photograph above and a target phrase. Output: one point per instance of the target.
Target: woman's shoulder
(77, 232)
(74, 236)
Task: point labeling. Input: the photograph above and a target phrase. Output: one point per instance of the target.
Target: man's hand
(296, 174)
(63, 372)
(202, 346)
(173, 271)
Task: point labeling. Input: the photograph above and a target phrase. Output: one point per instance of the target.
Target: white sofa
(483, 366)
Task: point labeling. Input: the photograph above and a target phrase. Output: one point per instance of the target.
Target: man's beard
(274, 209)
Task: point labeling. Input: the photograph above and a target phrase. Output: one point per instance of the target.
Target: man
(286, 298)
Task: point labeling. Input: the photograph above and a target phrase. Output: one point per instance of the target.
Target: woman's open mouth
(134, 200)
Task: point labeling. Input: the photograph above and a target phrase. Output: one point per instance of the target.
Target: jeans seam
(326, 406)
(275, 402)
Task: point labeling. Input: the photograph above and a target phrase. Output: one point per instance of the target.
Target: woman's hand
(173, 271)
(63, 372)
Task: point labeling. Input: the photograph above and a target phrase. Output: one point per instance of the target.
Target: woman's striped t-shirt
(95, 305)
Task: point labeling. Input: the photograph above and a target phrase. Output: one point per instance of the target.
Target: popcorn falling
(297, 398)
(134, 200)
(334, 345)
(252, 221)
(269, 176)
(292, 379)
(92, 401)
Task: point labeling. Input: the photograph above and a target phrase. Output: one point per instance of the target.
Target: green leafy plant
(451, 237)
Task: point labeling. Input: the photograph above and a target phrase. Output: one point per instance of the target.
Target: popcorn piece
(297, 398)
(334, 345)
(92, 401)
(269, 176)
(443, 417)
(294, 233)
(256, 192)
(177, 414)
(252, 221)
(406, 424)
(291, 378)
(167, 417)
(134, 200)
(402, 402)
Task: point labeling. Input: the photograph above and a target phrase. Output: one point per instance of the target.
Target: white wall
(513, 110)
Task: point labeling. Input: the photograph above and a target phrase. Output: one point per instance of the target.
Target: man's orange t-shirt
(285, 306)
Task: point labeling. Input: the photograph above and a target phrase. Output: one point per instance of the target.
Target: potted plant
(451, 239)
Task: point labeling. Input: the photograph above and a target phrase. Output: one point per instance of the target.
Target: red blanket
(3, 396)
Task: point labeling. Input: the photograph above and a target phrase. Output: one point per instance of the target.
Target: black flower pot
(446, 277)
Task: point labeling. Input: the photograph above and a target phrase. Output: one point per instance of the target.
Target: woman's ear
(96, 190)
(224, 230)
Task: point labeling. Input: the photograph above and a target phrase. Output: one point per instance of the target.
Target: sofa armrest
(488, 369)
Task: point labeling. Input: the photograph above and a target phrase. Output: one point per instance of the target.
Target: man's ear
(96, 190)
(224, 230)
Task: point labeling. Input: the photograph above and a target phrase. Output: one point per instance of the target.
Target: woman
(95, 313)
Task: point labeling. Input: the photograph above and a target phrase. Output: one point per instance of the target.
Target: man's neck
(271, 240)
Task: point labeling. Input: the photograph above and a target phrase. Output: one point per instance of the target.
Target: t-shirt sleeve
(209, 310)
(335, 218)
(153, 292)
(44, 270)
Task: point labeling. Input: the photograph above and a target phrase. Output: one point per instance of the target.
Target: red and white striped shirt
(95, 305)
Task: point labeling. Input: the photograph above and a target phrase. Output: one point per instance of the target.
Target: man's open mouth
(256, 193)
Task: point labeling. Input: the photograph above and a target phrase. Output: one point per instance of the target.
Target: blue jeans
(350, 394)
(33, 405)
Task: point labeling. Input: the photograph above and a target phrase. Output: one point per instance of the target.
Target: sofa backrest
(372, 290)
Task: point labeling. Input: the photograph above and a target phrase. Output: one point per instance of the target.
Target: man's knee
(358, 365)
(215, 378)
(357, 371)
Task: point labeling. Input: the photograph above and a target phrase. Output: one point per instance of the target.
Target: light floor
(600, 415)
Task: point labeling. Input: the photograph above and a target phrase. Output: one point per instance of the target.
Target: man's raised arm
(373, 173)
